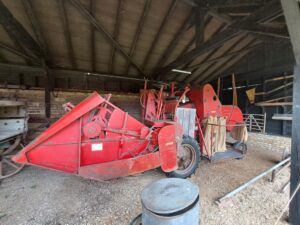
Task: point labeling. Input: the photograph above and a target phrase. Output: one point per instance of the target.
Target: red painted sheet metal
(85, 106)
(60, 151)
(233, 115)
(167, 139)
(98, 140)
(121, 168)
(206, 101)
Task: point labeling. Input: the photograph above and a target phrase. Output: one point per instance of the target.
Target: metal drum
(170, 201)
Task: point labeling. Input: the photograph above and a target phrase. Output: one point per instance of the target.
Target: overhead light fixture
(181, 71)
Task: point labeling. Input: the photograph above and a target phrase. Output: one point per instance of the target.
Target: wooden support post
(199, 26)
(247, 100)
(21, 79)
(36, 81)
(218, 88)
(234, 93)
(265, 121)
(284, 108)
(292, 16)
(48, 89)
(250, 129)
(264, 96)
(47, 102)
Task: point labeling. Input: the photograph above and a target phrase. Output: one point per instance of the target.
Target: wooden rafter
(29, 10)
(199, 25)
(269, 10)
(18, 33)
(3, 58)
(187, 47)
(93, 50)
(181, 31)
(86, 14)
(237, 52)
(116, 34)
(238, 10)
(209, 56)
(66, 29)
(234, 60)
(138, 31)
(158, 33)
(205, 74)
(260, 31)
(227, 62)
(16, 52)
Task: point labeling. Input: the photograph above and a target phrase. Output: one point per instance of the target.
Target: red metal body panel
(233, 115)
(206, 101)
(96, 134)
(121, 168)
(167, 144)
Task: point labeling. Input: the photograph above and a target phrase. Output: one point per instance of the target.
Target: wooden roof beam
(174, 42)
(159, 32)
(86, 14)
(266, 30)
(138, 30)
(209, 56)
(190, 43)
(2, 58)
(116, 34)
(203, 76)
(234, 53)
(270, 9)
(36, 27)
(239, 9)
(93, 50)
(253, 28)
(227, 63)
(199, 25)
(18, 33)
(66, 29)
(16, 52)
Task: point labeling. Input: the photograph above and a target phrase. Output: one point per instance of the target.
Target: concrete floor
(43, 197)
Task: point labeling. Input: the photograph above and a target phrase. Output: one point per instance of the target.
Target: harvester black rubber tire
(195, 146)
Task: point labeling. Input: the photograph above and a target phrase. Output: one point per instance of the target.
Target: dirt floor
(43, 197)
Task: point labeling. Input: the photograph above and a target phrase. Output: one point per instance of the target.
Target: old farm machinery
(211, 129)
(98, 140)
(13, 127)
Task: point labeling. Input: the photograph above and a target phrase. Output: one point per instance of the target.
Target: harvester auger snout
(97, 140)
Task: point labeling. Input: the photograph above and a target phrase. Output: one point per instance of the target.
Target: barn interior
(53, 52)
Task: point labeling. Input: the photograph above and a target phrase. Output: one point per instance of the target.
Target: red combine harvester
(211, 129)
(97, 140)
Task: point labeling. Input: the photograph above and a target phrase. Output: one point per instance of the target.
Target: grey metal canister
(170, 201)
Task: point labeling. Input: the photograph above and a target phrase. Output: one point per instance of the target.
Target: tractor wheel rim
(186, 159)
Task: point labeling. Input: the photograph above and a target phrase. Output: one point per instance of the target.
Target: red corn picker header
(97, 140)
